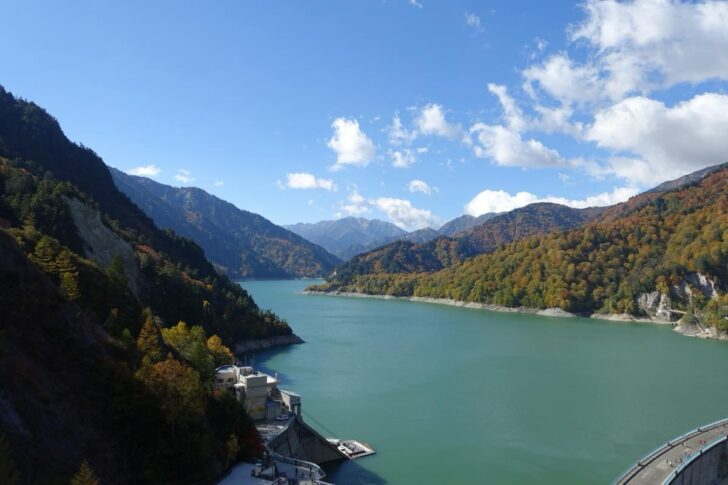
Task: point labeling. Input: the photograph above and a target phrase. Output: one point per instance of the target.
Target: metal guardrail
(313, 467)
(639, 464)
(692, 458)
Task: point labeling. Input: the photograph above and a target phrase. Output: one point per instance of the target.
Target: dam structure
(294, 450)
(698, 457)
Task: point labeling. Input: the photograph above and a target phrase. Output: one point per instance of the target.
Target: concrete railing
(692, 458)
(645, 460)
(311, 466)
(315, 471)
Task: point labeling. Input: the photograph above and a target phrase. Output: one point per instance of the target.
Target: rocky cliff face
(694, 284)
(102, 244)
(664, 307)
(655, 304)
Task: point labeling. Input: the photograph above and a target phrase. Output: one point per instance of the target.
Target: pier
(697, 457)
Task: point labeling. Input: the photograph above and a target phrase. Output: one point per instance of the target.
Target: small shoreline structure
(696, 457)
(294, 451)
(691, 330)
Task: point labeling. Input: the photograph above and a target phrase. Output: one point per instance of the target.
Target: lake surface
(452, 395)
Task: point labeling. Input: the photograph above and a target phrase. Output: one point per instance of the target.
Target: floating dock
(352, 449)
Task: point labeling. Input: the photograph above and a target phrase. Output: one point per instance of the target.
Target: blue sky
(413, 112)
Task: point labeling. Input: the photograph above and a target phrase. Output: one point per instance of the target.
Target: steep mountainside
(405, 257)
(418, 236)
(89, 286)
(241, 243)
(688, 179)
(658, 252)
(342, 236)
(464, 222)
(421, 235)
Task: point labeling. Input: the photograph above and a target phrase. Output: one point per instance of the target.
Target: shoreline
(687, 330)
(545, 312)
(267, 343)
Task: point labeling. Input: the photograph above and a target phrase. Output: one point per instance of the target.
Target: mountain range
(240, 243)
(443, 251)
(89, 288)
(661, 253)
(350, 236)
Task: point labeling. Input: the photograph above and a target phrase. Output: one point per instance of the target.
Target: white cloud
(145, 171)
(472, 20)
(219, 183)
(415, 3)
(355, 205)
(501, 201)
(647, 43)
(660, 142)
(184, 176)
(352, 146)
(403, 158)
(506, 147)
(566, 179)
(556, 119)
(431, 121)
(402, 213)
(511, 112)
(303, 180)
(420, 186)
(637, 47)
(551, 119)
(564, 80)
(398, 134)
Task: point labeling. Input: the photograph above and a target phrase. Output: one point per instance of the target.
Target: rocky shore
(700, 331)
(687, 330)
(547, 312)
(267, 343)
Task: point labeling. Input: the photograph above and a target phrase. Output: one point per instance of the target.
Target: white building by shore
(256, 390)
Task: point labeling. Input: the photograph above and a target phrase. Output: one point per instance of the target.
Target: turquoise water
(452, 395)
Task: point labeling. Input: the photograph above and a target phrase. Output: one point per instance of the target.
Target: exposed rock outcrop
(699, 331)
(660, 306)
(101, 243)
(692, 283)
(655, 304)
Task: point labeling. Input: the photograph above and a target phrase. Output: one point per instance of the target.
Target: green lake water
(452, 395)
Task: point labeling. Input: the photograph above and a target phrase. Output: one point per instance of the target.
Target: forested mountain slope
(464, 222)
(240, 243)
(90, 291)
(441, 252)
(674, 243)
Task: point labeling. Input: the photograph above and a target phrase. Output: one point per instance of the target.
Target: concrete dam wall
(302, 442)
(708, 467)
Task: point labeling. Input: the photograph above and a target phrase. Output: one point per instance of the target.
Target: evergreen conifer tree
(84, 476)
(8, 473)
(148, 340)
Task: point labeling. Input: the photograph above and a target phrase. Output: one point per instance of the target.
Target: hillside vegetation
(441, 252)
(653, 242)
(89, 373)
(240, 243)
